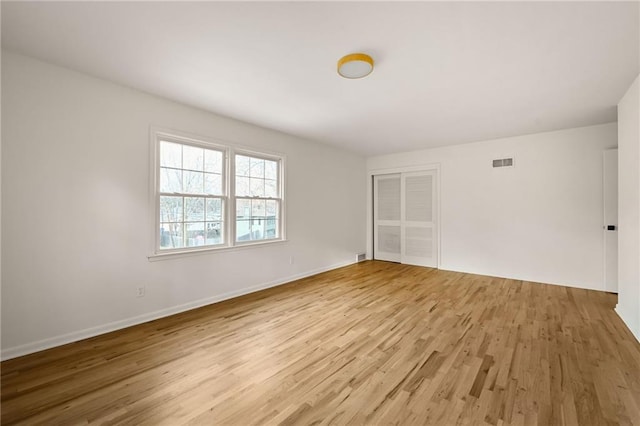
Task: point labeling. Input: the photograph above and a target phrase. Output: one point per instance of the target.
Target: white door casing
(610, 198)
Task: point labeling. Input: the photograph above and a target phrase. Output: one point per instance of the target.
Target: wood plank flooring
(374, 343)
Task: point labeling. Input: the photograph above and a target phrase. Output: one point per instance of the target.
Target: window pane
(170, 209)
(193, 209)
(212, 184)
(170, 180)
(214, 209)
(192, 158)
(243, 209)
(271, 228)
(214, 233)
(195, 234)
(243, 230)
(271, 209)
(170, 155)
(193, 182)
(212, 161)
(270, 188)
(242, 187)
(271, 169)
(272, 219)
(257, 167)
(171, 235)
(257, 208)
(257, 187)
(242, 165)
(257, 228)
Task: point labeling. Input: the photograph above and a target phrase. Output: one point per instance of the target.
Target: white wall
(629, 208)
(538, 221)
(75, 210)
(0, 194)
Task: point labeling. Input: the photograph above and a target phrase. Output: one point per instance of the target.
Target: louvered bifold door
(386, 217)
(418, 219)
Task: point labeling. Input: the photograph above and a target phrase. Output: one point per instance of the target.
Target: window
(191, 196)
(257, 198)
(202, 201)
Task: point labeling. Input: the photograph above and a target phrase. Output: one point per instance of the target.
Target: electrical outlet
(290, 260)
(141, 291)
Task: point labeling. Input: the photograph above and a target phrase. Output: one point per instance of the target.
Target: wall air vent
(361, 257)
(503, 162)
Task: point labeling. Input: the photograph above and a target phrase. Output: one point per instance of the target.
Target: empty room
(296, 213)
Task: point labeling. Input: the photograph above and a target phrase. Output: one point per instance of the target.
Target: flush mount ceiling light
(355, 65)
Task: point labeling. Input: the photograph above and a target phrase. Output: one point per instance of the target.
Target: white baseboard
(75, 336)
(527, 279)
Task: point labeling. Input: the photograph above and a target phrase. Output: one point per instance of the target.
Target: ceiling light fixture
(355, 65)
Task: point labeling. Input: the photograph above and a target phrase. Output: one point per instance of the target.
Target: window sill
(196, 252)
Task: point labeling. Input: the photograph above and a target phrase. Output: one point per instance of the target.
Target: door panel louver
(419, 242)
(418, 200)
(389, 199)
(389, 239)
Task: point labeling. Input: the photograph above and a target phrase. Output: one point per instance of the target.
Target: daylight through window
(191, 196)
(257, 198)
(200, 205)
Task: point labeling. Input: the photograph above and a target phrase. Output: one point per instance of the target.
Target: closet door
(418, 212)
(386, 217)
(405, 218)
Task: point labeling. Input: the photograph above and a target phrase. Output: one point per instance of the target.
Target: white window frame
(261, 155)
(229, 151)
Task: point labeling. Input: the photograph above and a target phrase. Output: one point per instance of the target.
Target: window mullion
(230, 191)
(184, 222)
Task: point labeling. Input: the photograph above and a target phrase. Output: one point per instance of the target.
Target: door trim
(605, 282)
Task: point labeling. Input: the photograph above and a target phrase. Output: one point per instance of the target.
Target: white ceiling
(446, 73)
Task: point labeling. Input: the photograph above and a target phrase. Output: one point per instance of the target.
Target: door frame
(605, 222)
(385, 171)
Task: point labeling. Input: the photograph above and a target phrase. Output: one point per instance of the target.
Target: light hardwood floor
(372, 343)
